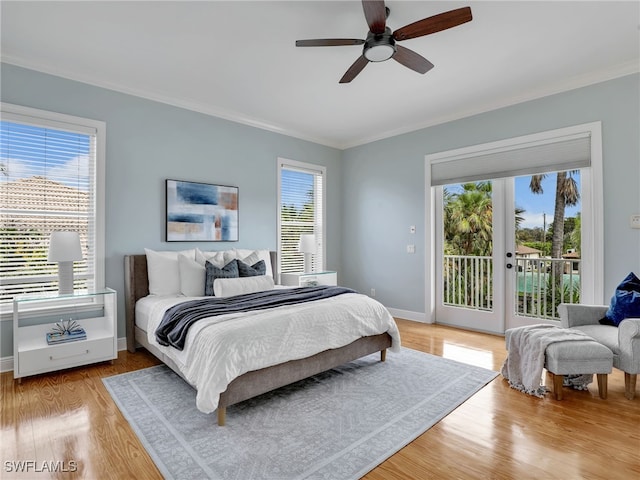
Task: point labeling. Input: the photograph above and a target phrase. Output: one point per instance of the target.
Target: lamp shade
(307, 243)
(64, 247)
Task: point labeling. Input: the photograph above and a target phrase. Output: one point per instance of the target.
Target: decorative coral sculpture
(66, 327)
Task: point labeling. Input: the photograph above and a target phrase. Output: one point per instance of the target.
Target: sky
(300, 182)
(66, 154)
(537, 205)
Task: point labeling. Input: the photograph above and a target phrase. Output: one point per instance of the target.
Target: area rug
(336, 425)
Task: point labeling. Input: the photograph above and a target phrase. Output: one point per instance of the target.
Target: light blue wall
(148, 142)
(375, 191)
(386, 186)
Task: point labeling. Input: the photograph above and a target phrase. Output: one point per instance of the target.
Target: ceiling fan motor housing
(379, 47)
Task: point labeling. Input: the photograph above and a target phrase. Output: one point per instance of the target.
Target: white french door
(495, 284)
(470, 285)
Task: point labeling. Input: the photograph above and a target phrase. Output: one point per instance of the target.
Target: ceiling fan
(380, 44)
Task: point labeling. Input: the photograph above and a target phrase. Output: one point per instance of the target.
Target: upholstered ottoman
(577, 358)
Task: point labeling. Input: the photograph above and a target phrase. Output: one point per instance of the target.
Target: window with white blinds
(300, 211)
(49, 165)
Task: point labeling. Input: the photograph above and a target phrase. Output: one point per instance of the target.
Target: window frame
(310, 168)
(48, 119)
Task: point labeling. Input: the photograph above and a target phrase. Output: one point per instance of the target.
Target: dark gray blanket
(177, 319)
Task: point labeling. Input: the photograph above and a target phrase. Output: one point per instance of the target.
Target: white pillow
(215, 258)
(228, 287)
(250, 257)
(163, 271)
(192, 277)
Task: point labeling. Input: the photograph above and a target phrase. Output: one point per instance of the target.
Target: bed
(253, 382)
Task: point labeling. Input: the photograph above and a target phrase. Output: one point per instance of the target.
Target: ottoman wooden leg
(557, 386)
(602, 385)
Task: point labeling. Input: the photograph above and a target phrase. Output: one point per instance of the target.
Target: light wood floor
(497, 434)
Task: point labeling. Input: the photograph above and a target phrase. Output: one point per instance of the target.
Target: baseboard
(6, 363)
(408, 315)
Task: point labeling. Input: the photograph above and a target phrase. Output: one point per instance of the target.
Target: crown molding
(214, 111)
(571, 83)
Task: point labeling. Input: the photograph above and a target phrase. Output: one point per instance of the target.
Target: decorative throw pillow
(252, 256)
(192, 277)
(230, 270)
(228, 287)
(625, 302)
(254, 270)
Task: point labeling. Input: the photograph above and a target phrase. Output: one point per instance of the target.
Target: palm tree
(468, 219)
(567, 194)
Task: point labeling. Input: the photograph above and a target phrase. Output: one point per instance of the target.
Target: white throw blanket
(526, 349)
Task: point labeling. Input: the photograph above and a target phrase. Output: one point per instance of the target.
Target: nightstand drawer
(309, 279)
(66, 355)
(312, 280)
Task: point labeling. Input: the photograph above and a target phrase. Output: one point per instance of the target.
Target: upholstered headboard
(136, 286)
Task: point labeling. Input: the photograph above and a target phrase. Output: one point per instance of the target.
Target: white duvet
(220, 349)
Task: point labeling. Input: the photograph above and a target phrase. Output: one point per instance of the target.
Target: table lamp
(307, 246)
(64, 248)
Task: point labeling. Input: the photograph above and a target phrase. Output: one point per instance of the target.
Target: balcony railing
(468, 281)
(542, 284)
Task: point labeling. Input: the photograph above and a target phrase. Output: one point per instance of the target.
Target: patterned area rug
(336, 425)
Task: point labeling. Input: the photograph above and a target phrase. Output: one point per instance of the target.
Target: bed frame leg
(222, 416)
(383, 355)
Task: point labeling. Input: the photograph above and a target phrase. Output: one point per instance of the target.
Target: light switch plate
(635, 221)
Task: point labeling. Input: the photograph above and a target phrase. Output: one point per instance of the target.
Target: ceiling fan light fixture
(379, 53)
(379, 47)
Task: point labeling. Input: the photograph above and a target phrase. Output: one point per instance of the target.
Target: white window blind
(566, 153)
(47, 183)
(300, 211)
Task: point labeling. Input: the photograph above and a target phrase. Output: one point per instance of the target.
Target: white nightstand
(95, 311)
(308, 279)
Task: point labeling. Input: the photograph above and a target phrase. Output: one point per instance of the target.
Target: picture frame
(201, 212)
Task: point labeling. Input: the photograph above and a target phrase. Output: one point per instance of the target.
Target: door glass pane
(468, 244)
(547, 258)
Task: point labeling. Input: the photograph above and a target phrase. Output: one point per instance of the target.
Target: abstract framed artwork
(201, 212)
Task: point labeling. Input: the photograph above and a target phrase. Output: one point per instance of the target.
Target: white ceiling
(238, 60)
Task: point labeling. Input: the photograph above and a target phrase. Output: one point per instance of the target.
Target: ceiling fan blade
(434, 24)
(354, 69)
(329, 42)
(412, 60)
(376, 14)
